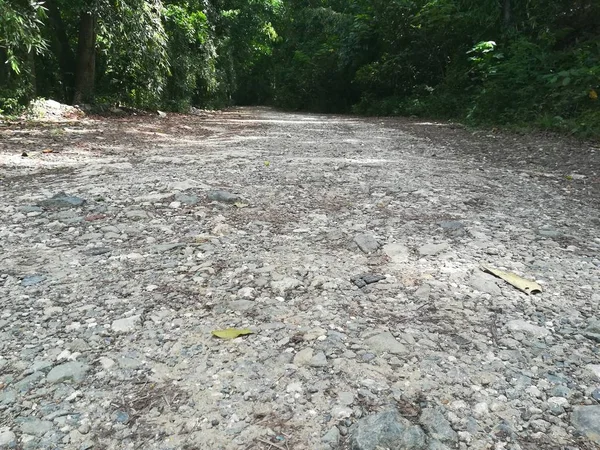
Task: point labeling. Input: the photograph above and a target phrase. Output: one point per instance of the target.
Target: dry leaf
(240, 205)
(231, 333)
(47, 150)
(527, 286)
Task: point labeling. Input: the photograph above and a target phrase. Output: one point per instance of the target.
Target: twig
(271, 444)
(166, 401)
(494, 330)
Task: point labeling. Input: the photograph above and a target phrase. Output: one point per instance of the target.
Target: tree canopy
(485, 61)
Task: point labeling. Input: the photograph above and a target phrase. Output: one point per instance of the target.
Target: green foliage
(507, 62)
(20, 31)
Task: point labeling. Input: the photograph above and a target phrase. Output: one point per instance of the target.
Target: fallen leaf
(267, 163)
(47, 150)
(240, 205)
(593, 95)
(527, 286)
(231, 333)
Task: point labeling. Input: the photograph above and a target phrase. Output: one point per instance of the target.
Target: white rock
(528, 328)
(125, 325)
(397, 253)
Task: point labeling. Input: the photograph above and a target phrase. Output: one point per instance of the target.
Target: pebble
(433, 249)
(73, 371)
(223, 197)
(367, 243)
(386, 343)
(586, 419)
(386, 429)
(527, 328)
(125, 325)
(8, 439)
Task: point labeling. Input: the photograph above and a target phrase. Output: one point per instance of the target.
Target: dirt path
(107, 306)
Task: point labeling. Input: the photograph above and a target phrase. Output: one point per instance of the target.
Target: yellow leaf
(240, 205)
(593, 95)
(267, 163)
(231, 333)
(527, 286)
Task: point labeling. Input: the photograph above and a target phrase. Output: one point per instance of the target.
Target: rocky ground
(351, 247)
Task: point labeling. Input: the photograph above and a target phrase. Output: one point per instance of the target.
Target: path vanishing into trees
(350, 247)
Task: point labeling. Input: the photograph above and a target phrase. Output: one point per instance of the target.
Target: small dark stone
(214, 422)
(365, 279)
(97, 251)
(370, 278)
(359, 282)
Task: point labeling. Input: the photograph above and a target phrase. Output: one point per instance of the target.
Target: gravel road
(351, 247)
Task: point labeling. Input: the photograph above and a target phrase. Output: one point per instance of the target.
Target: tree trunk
(62, 48)
(506, 12)
(4, 68)
(85, 70)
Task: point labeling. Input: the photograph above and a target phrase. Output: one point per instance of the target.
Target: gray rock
(437, 445)
(433, 249)
(34, 426)
(523, 326)
(97, 251)
(367, 243)
(484, 282)
(593, 326)
(586, 419)
(437, 426)
(28, 382)
(187, 199)
(549, 233)
(161, 248)
(304, 357)
(223, 197)
(125, 325)
(7, 438)
(397, 253)
(242, 305)
(386, 343)
(285, 285)
(32, 280)
(594, 369)
(451, 225)
(592, 336)
(136, 214)
(69, 371)
(332, 437)
(423, 292)
(318, 360)
(386, 430)
(62, 200)
(28, 209)
(8, 396)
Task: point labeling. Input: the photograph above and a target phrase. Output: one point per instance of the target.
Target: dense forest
(500, 62)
